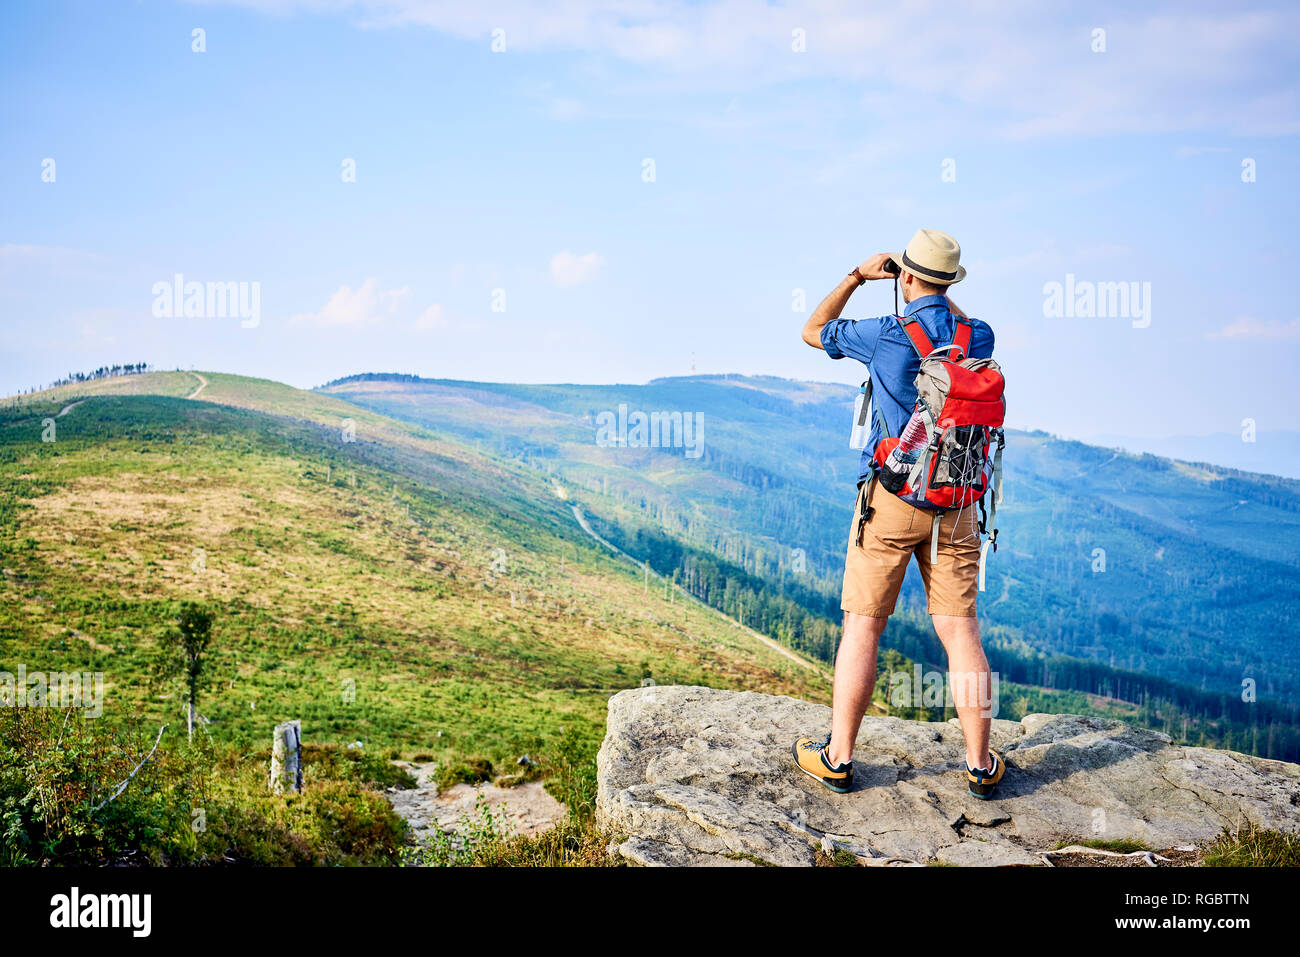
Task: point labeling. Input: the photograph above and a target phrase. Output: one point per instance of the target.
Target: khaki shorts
(873, 572)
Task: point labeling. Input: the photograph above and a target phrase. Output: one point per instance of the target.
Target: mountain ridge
(1088, 534)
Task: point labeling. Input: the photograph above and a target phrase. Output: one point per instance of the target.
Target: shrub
(1252, 846)
(344, 823)
(188, 804)
(468, 771)
(571, 843)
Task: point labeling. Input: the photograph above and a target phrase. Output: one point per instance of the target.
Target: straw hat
(932, 257)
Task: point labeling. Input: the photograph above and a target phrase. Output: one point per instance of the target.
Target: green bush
(188, 804)
(344, 823)
(468, 771)
(571, 773)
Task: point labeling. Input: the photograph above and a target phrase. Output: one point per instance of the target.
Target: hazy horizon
(539, 195)
(1214, 448)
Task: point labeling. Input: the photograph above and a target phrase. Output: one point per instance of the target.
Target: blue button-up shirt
(883, 347)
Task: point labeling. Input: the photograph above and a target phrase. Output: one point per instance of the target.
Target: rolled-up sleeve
(981, 340)
(855, 338)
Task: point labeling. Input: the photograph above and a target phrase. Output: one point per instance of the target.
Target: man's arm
(831, 307)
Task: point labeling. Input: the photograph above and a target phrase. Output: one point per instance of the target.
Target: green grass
(1118, 845)
(1252, 846)
(574, 842)
(354, 589)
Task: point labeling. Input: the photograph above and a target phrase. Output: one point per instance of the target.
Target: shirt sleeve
(855, 338)
(981, 345)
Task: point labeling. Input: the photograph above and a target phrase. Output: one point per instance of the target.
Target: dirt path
(527, 809)
(203, 384)
(778, 648)
(68, 408)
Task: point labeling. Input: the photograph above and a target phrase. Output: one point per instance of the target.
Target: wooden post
(286, 757)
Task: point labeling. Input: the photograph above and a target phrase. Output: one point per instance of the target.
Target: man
(888, 532)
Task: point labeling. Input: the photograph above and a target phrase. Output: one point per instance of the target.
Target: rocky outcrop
(691, 776)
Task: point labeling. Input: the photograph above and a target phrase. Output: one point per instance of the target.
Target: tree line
(103, 372)
(807, 620)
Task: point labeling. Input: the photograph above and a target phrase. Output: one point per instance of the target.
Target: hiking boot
(810, 755)
(982, 783)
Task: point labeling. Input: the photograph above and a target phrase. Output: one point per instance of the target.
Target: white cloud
(569, 270)
(362, 306)
(1248, 327)
(431, 318)
(1018, 68)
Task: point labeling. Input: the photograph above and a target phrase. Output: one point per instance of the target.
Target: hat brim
(933, 280)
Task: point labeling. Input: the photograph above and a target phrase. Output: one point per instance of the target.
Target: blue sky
(776, 170)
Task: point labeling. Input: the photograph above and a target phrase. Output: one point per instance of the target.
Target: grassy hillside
(392, 588)
(326, 565)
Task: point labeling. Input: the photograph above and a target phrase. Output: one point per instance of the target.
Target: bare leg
(968, 673)
(855, 679)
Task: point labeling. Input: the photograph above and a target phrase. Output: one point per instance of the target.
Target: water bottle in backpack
(861, 433)
(911, 443)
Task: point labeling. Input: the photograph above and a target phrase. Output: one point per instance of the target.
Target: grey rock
(699, 776)
(658, 854)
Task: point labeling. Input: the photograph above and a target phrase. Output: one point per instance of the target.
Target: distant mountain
(1190, 573)
(1276, 452)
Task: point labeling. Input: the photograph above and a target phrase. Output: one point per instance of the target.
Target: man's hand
(874, 268)
(834, 304)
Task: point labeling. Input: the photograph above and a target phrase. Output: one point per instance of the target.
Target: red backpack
(950, 451)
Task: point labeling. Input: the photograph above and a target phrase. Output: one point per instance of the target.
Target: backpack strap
(870, 402)
(995, 497)
(922, 344)
(961, 335)
(920, 341)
